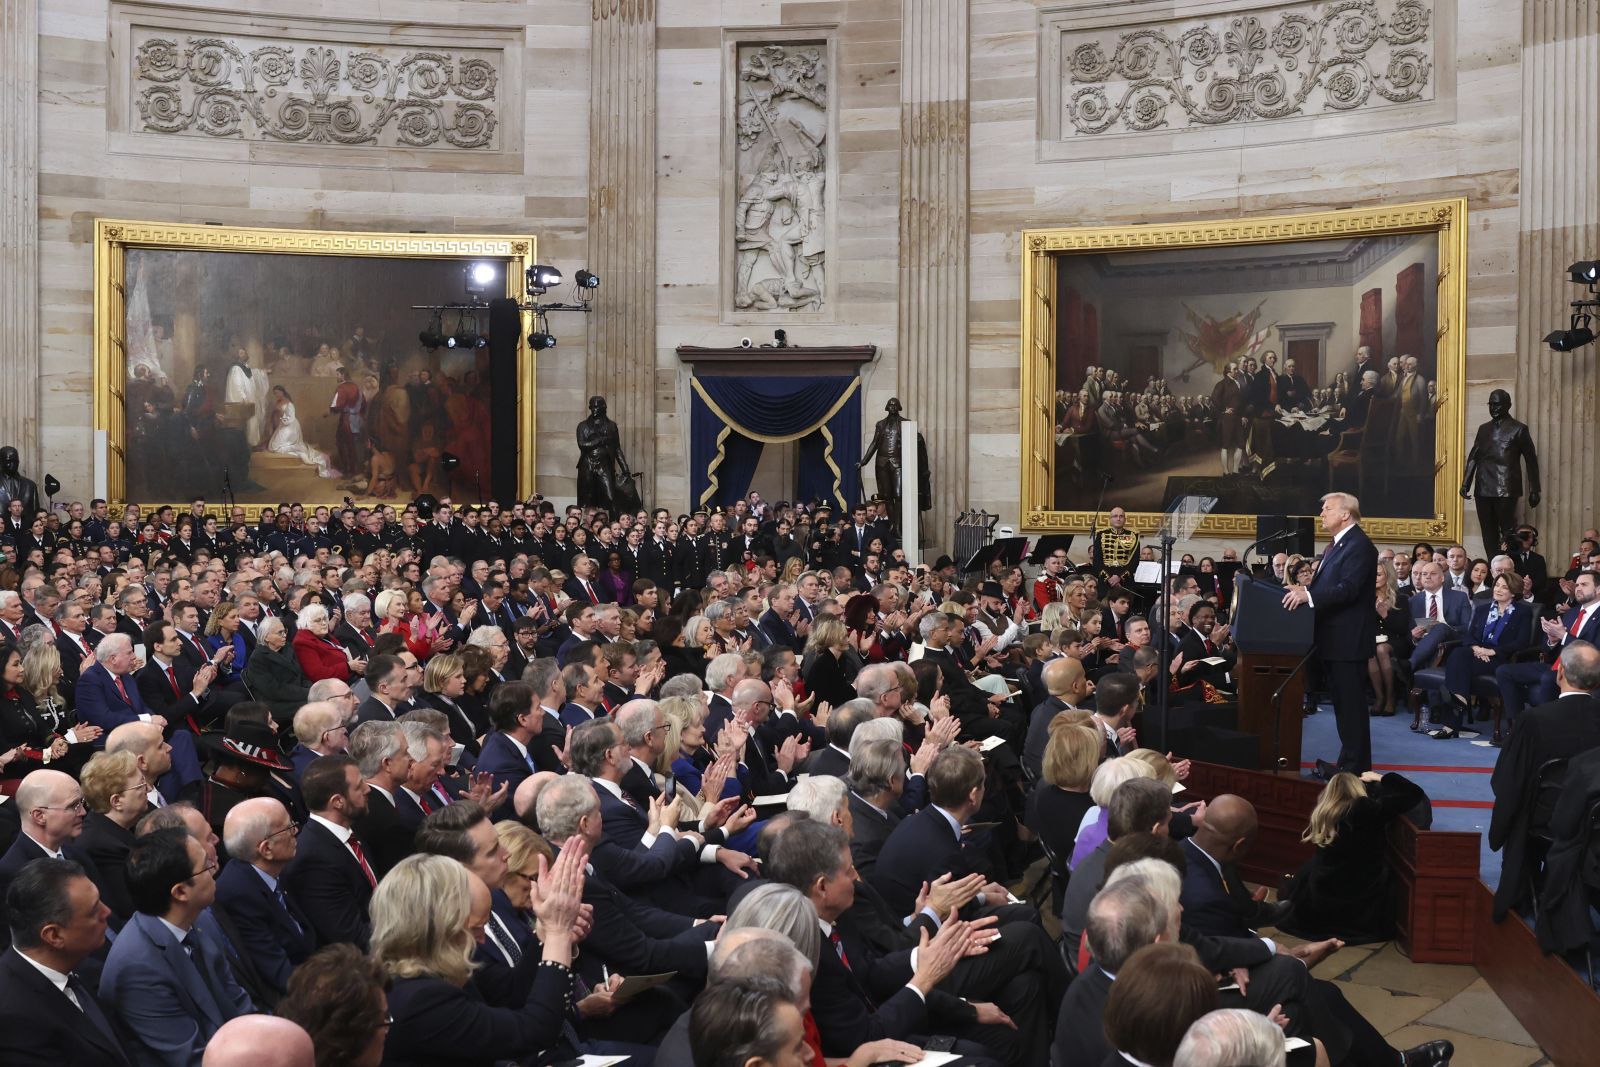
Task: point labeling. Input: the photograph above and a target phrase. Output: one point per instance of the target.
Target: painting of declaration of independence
(1264, 375)
(298, 378)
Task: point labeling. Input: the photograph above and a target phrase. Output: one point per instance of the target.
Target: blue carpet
(1459, 787)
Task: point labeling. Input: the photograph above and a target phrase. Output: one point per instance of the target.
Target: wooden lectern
(1271, 643)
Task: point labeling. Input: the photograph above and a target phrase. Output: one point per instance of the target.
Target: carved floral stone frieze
(315, 93)
(1271, 62)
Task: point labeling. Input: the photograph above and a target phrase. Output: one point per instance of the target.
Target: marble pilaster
(1560, 225)
(622, 222)
(19, 228)
(933, 368)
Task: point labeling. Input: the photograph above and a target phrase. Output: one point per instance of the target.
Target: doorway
(775, 472)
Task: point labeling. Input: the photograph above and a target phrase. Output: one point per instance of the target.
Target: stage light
(542, 278)
(433, 336)
(539, 341)
(586, 280)
(481, 277)
(1578, 335)
(1586, 272)
(466, 335)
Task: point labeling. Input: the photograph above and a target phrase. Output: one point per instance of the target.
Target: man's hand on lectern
(1295, 596)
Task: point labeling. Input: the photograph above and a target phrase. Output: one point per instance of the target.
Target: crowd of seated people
(416, 787)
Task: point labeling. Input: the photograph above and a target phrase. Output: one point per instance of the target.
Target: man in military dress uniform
(1114, 551)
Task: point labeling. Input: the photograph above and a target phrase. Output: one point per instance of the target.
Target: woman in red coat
(320, 655)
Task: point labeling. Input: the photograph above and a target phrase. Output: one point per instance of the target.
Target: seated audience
(338, 995)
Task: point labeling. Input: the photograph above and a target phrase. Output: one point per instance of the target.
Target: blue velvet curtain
(732, 419)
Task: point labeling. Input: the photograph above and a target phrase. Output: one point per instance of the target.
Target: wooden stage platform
(1442, 909)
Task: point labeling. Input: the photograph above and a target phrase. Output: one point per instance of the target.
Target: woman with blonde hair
(792, 569)
(444, 684)
(1343, 889)
(428, 914)
(116, 794)
(822, 667)
(41, 677)
(1392, 652)
(1060, 798)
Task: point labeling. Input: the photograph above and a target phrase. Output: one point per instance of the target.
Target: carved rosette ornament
(318, 93)
(1303, 60)
(779, 223)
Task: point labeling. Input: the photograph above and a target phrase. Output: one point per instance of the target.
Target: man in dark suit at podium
(1342, 593)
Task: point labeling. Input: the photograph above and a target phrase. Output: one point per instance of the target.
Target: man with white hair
(383, 756)
(722, 674)
(1231, 1037)
(420, 794)
(492, 640)
(354, 630)
(321, 728)
(106, 694)
(277, 935)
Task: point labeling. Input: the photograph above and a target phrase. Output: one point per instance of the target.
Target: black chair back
(1546, 791)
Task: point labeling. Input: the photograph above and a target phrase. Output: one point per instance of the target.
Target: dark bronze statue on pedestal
(886, 445)
(1494, 471)
(604, 480)
(13, 486)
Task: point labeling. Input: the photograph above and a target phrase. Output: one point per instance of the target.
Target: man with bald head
(278, 936)
(260, 1041)
(1215, 900)
(1067, 685)
(771, 769)
(321, 728)
(150, 748)
(50, 807)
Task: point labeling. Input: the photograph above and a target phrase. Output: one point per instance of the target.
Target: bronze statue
(13, 486)
(1494, 471)
(604, 480)
(886, 445)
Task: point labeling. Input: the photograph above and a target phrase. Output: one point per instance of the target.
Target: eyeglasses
(293, 830)
(528, 876)
(335, 730)
(142, 787)
(77, 806)
(210, 868)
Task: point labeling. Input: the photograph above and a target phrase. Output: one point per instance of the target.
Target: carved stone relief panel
(221, 82)
(326, 93)
(1208, 76)
(781, 124)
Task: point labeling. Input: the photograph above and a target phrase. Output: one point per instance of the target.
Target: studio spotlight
(542, 278)
(433, 336)
(1586, 272)
(539, 341)
(466, 335)
(481, 277)
(1578, 335)
(586, 280)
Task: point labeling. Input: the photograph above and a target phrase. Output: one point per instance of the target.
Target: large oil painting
(1261, 364)
(264, 376)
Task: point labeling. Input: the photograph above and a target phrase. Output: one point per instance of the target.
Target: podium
(1271, 643)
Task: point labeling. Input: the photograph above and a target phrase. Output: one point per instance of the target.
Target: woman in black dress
(1342, 891)
(824, 669)
(1392, 654)
(1060, 798)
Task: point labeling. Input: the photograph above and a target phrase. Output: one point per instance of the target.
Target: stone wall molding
(196, 83)
(1188, 75)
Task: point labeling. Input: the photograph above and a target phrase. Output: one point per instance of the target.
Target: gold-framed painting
(269, 366)
(1262, 361)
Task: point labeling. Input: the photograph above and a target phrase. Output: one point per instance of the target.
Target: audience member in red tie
(330, 875)
(582, 586)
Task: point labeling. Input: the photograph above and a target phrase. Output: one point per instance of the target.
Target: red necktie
(422, 802)
(117, 678)
(838, 946)
(173, 678)
(361, 858)
(1577, 624)
(1433, 605)
(587, 588)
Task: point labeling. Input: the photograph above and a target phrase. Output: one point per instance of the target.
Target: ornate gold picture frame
(1145, 356)
(300, 312)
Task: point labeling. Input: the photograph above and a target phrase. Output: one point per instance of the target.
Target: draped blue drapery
(731, 419)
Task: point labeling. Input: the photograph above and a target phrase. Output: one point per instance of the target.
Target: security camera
(745, 342)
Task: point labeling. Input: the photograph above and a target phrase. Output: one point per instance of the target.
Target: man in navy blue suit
(1440, 613)
(1534, 682)
(261, 840)
(1342, 593)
